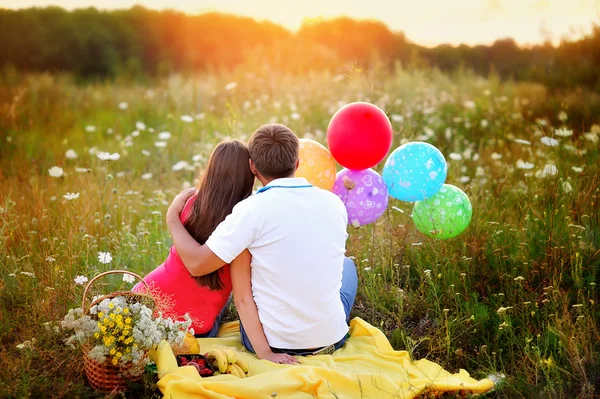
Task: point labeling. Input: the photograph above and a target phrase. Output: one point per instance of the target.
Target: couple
(280, 250)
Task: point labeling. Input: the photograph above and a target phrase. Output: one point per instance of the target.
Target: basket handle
(87, 287)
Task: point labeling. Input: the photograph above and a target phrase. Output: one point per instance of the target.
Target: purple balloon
(364, 193)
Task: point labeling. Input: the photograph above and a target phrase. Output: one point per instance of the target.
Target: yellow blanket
(365, 367)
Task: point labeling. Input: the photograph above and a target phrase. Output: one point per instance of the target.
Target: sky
(426, 22)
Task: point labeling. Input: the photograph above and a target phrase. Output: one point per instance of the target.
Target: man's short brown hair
(274, 150)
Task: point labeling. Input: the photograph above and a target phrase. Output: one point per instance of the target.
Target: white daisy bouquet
(120, 329)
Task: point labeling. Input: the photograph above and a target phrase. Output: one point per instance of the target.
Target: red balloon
(359, 135)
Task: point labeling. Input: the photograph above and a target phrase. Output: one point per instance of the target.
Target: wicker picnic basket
(105, 376)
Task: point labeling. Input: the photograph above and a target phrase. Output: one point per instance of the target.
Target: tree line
(93, 43)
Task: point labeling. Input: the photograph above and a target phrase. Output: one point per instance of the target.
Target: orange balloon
(316, 164)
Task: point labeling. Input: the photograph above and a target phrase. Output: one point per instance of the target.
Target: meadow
(514, 297)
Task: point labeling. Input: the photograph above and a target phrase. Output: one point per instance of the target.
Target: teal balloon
(414, 171)
(445, 215)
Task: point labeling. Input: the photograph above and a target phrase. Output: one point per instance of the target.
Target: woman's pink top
(172, 279)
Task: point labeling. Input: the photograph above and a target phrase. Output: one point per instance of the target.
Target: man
(302, 285)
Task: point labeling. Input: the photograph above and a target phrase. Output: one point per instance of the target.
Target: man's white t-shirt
(297, 238)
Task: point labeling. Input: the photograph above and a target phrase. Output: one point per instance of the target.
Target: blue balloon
(415, 171)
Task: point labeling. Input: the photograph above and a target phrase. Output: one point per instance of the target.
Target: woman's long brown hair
(226, 181)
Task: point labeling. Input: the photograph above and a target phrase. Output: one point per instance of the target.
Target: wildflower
(566, 187)
(519, 278)
(81, 170)
(592, 137)
(71, 196)
(123, 105)
(427, 272)
(70, 154)
(469, 104)
(104, 257)
(397, 118)
(503, 309)
(465, 179)
(146, 176)
(105, 156)
(524, 165)
(495, 156)
(577, 169)
(355, 223)
(230, 86)
(562, 116)
(90, 128)
(367, 269)
(563, 132)
(578, 305)
(50, 259)
(549, 141)
(295, 116)
(164, 136)
(28, 274)
(160, 144)
(549, 170)
(80, 280)
(454, 156)
(56, 171)
(146, 153)
(140, 125)
(484, 123)
(180, 166)
(128, 278)
(521, 141)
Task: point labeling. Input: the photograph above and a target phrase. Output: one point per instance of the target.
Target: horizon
(528, 22)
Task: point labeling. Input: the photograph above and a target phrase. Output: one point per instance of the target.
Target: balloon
(316, 164)
(364, 193)
(445, 215)
(359, 135)
(415, 171)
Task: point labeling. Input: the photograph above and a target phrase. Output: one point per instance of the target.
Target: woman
(226, 181)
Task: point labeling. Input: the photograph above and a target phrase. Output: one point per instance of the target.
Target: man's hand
(279, 358)
(179, 203)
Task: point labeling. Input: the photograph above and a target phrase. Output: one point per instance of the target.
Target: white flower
(146, 176)
(496, 156)
(164, 136)
(128, 278)
(180, 166)
(592, 137)
(160, 144)
(521, 141)
(71, 196)
(563, 132)
(140, 125)
(71, 154)
(230, 86)
(146, 153)
(295, 116)
(80, 280)
(198, 158)
(549, 170)
(81, 170)
(469, 104)
(105, 156)
(90, 128)
(367, 269)
(50, 259)
(123, 105)
(484, 123)
(427, 272)
(577, 169)
(186, 118)
(56, 171)
(455, 156)
(464, 179)
(397, 118)
(135, 133)
(549, 141)
(355, 223)
(524, 165)
(567, 188)
(104, 257)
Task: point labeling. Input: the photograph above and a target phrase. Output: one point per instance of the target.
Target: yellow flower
(126, 310)
(96, 335)
(135, 345)
(113, 351)
(115, 361)
(119, 354)
(128, 350)
(119, 310)
(111, 324)
(128, 320)
(119, 317)
(112, 316)
(111, 305)
(105, 320)
(100, 314)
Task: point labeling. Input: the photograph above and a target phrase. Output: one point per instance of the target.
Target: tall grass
(515, 295)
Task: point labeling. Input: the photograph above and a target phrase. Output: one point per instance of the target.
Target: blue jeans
(347, 295)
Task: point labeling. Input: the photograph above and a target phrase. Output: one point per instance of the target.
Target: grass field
(515, 295)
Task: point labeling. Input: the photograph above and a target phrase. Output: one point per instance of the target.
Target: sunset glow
(426, 22)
